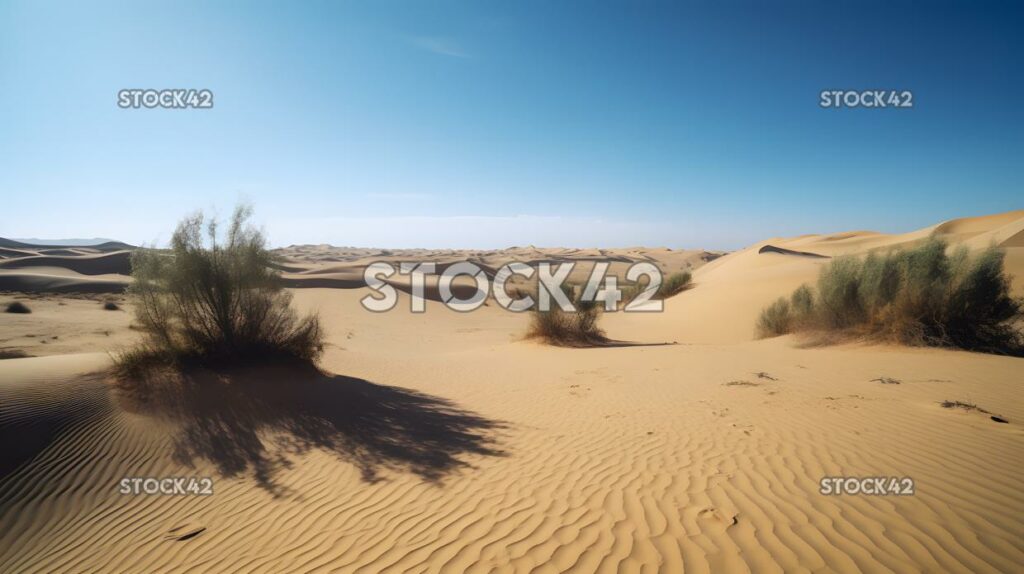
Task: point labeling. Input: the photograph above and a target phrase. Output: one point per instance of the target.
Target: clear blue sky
(486, 124)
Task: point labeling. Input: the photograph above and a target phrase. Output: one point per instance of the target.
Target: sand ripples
(631, 465)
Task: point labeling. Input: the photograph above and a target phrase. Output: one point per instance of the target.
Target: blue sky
(488, 124)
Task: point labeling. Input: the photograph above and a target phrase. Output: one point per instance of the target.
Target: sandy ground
(444, 442)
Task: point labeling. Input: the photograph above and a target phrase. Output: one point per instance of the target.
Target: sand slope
(441, 442)
(610, 459)
(731, 291)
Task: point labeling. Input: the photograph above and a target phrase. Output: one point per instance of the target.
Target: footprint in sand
(578, 390)
(716, 516)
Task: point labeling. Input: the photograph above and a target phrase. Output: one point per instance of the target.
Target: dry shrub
(213, 301)
(568, 328)
(675, 283)
(775, 319)
(919, 296)
(670, 286)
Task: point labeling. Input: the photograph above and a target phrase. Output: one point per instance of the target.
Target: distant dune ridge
(98, 243)
(448, 443)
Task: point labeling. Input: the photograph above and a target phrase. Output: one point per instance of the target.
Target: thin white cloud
(440, 45)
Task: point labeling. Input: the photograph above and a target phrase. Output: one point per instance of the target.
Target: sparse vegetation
(741, 384)
(775, 319)
(674, 284)
(212, 301)
(919, 296)
(568, 328)
(17, 307)
(962, 405)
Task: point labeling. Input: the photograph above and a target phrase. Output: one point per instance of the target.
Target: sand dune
(80, 272)
(61, 283)
(731, 291)
(117, 262)
(444, 442)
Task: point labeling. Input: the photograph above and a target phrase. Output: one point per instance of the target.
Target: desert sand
(444, 441)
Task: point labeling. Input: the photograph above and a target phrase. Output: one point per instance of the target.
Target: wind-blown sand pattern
(479, 451)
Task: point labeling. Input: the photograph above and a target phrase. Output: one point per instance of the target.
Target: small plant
(962, 405)
(568, 328)
(675, 283)
(775, 319)
(214, 301)
(17, 307)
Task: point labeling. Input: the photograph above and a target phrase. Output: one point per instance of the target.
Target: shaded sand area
(443, 442)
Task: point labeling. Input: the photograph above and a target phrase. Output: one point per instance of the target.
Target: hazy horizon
(452, 235)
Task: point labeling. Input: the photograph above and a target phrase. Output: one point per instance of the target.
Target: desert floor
(443, 441)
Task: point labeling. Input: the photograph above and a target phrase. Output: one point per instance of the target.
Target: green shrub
(802, 303)
(980, 313)
(919, 296)
(674, 284)
(839, 296)
(880, 281)
(775, 319)
(215, 302)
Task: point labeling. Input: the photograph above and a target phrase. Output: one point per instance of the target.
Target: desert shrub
(801, 303)
(674, 284)
(879, 281)
(17, 307)
(839, 296)
(671, 285)
(919, 296)
(213, 300)
(924, 286)
(568, 328)
(980, 313)
(775, 319)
